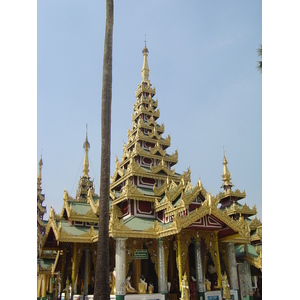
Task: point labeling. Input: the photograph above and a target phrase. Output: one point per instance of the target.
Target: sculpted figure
(68, 289)
(113, 282)
(225, 287)
(142, 285)
(150, 288)
(212, 277)
(129, 288)
(207, 285)
(185, 290)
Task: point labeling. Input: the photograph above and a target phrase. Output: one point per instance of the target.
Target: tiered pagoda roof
(79, 217)
(45, 259)
(41, 209)
(149, 198)
(229, 201)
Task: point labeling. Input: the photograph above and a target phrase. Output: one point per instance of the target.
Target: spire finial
(39, 178)
(86, 146)
(226, 177)
(145, 70)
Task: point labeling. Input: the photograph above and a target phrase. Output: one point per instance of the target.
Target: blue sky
(202, 60)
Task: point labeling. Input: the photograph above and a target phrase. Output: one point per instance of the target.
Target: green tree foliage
(259, 63)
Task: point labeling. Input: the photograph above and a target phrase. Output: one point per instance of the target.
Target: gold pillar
(51, 285)
(136, 272)
(218, 266)
(44, 286)
(74, 266)
(39, 281)
(179, 259)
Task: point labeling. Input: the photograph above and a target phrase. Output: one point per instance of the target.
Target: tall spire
(86, 146)
(226, 177)
(39, 178)
(145, 70)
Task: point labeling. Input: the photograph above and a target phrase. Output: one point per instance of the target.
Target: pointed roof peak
(85, 183)
(224, 159)
(86, 146)
(145, 70)
(145, 50)
(86, 143)
(39, 178)
(226, 176)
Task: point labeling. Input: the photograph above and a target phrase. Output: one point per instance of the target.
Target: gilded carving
(234, 209)
(132, 244)
(174, 190)
(159, 191)
(154, 133)
(224, 254)
(162, 167)
(152, 246)
(255, 223)
(79, 250)
(157, 148)
(185, 240)
(147, 89)
(118, 171)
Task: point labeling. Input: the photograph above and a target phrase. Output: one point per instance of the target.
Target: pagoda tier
(79, 217)
(85, 183)
(229, 199)
(145, 166)
(145, 186)
(41, 210)
(82, 209)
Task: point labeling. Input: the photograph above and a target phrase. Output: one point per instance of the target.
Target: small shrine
(168, 238)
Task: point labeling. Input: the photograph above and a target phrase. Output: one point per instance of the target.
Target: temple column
(234, 284)
(39, 282)
(90, 280)
(120, 268)
(136, 272)
(187, 264)
(51, 287)
(199, 271)
(171, 264)
(245, 281)
(86, 271)
(217, 257)
(179, 260)
(162, 278)
(44, 286)
(63, 269)
(74, 267)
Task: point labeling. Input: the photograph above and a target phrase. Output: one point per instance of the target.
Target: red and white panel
(207, 222)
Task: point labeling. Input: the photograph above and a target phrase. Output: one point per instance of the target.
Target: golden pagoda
(45, 258)
(164, 232)
(247, 255)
